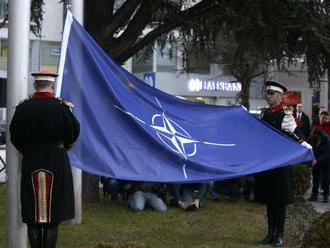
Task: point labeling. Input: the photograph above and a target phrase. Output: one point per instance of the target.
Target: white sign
(198, 85)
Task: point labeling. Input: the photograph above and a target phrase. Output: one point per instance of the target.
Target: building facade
(207, 83)
(44, 49)
(195, 81)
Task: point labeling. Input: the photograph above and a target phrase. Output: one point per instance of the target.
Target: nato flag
(132, 131)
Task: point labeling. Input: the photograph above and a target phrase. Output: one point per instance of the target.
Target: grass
(222, 224)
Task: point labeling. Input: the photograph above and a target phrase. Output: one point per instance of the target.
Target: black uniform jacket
(42, 129)
(322, 154)
(275, 186)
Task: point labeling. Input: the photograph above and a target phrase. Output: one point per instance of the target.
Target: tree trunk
(96, 13)
(245, 93)
(90, 187)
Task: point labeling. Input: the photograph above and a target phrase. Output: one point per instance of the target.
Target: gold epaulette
(69, 104)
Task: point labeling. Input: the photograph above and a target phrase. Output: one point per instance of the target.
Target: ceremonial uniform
(275, 187)
(42, 129)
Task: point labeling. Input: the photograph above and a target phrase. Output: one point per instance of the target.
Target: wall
(52, 23)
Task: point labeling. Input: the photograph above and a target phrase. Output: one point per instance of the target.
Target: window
(166, 59)
(197, 63)
(3, 54)
(3, 8)
(50, 55)
(138, 65)
(55, 50)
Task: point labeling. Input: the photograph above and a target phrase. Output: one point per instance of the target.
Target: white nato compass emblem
(173, 136)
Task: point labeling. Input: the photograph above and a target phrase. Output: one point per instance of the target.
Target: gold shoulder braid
(69, 104)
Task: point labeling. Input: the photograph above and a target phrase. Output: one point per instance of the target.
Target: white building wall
(3, 33)
(324, 86)
(52, 23)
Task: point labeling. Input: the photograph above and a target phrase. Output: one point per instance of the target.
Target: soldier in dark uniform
(42, 130)
(275, 187)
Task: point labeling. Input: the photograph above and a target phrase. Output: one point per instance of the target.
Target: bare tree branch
(134, 29)
(121, 17)
(185, 17)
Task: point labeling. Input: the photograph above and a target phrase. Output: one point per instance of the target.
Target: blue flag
(132, 131)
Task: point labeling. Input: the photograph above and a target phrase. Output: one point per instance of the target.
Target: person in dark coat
(323, 123)
(316, 119)
(305, 124)
(184, 195)
(43, 128)
(321, 165)
(275, 187)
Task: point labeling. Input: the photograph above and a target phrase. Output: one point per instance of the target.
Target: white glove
(305, 144)
(288, 124)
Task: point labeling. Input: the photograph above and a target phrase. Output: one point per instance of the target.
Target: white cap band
(44, 78)
(274, 88)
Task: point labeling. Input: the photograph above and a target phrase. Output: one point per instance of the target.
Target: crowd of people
(319, 138)
(189, 197)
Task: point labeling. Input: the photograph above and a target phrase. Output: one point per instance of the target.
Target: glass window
(166, 59)
(3, 54)
(197, 64)
(3, 8)
(138, 65)
(50, 55)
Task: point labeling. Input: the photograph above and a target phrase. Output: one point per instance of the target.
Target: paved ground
(319, 206)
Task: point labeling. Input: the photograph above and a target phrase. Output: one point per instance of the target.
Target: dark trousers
(325, 180)
(320, 176)
(276, 218)
(316, 180)
(42, 235)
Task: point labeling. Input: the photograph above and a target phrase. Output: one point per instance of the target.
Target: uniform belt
(45, 144)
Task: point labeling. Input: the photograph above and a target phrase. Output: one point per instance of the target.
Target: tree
(36, 16)
(256, 33)
(268, 30)
(243, 64)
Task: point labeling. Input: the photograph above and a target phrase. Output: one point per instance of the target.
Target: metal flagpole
(17, 89)
(77, 9)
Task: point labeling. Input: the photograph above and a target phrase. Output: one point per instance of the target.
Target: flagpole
(77, 9)
(17, 89)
